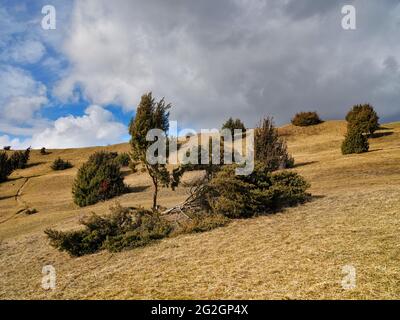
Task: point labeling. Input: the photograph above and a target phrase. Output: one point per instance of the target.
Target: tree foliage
(239, 196)
(98, 179)
(364, 118)
(355, 141)
(269, 148)
(151, 115)
(232, 125)
(17, 160)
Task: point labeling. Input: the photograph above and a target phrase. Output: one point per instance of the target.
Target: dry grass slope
(354, 219)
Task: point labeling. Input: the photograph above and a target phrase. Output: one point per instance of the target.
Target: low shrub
(7, 148)
(237, 196)
(98, 179)
(304, 119)
(60, 164)
(123, 159)
(124, 228)
(355, 141)
(43, 151)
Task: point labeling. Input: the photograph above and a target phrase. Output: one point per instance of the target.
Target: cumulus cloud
(214, 59)
(29, 51)
(96, 127)
(21, 97)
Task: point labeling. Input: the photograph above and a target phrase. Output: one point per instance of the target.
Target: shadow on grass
(137, 189)
(302, 164)
(7, 197)
(381, 134)
(34, 164)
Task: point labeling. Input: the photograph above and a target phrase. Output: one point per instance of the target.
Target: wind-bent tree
(151, 115)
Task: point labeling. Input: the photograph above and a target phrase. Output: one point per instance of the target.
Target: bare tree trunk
(155, 194)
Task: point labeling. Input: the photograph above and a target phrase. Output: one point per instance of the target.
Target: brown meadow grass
(353, 219)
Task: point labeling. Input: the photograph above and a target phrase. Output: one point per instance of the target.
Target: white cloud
(214, 59)
(21, 97)
(29, 51)
(15, 143)
(96, 127)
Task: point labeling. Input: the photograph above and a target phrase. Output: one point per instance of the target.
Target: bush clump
(8, 164)
(239, 196)
(60, 164)
(364, 118)
(305, 119)
(123, 159)
(19, 159)
(269, 148)
(7, 148)
(98, 179)
(355, 141)
(5, 166)
(124, 228)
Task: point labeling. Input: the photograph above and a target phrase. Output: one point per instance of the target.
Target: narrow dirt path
(19, 194)
(19, 201)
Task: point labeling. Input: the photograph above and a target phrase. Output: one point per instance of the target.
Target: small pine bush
(123, 159)
(7, 148)
(364, 118)
(304, 119)
(43, 151)
(269, 148)
(60, 164)
(237, 196)
(355, 141)
(98, 179)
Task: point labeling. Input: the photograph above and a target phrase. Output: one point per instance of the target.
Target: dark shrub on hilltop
(60, 164)
(304, 119)
(98, 179)
(240, 196)
(364, 118)
(7, 148)
(269, 148)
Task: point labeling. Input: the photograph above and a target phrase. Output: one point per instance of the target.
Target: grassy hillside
(354, 219)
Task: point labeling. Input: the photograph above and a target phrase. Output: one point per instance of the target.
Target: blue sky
(79, 85)
(31, 64)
